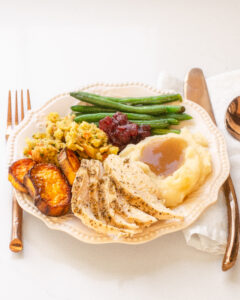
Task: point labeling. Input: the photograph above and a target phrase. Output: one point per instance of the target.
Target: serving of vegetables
(48, 185)
(151, 114)
(151, 111)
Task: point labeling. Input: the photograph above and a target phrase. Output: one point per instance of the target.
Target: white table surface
(55, 46)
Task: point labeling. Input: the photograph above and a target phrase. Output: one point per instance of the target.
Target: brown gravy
(164, 157)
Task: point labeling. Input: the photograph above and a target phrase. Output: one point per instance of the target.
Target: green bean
(171, 121)
(157, 131)
(151, 109)
(104, 114)
(98, 116)
(160, 124)
(132, 116)
(161, 99)
(90, 109)
(152, 122)
(158, 99)
(156, 123)
(180, 117)
(92, 117)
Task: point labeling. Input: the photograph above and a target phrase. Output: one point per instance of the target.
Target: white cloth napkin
(209, 232)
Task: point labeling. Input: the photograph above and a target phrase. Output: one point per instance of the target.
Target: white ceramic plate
(192, 207)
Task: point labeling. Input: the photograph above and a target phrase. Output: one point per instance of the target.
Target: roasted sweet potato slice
(49, 188)
(69, 164)
(17, 171)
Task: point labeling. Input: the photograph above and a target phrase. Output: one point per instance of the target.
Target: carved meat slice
(106, 197)
(95, 173)
(130, 213)
(81, 208)
(137, 187)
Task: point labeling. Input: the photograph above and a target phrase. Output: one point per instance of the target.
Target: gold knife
(195, 89)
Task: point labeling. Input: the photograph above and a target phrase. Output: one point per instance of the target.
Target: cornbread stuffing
(86, 139)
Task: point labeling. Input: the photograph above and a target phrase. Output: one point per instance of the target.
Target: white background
(55, 46)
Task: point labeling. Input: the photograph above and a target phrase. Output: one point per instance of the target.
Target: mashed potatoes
(178, 164)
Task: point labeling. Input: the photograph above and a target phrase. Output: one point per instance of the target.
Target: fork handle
(16, 244)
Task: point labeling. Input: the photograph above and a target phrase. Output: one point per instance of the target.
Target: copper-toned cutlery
(16, 244)
(233, 118)
(195, 89)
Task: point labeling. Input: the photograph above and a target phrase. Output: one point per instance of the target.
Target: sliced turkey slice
(137, 187)
(95, 172)
(106, 196)
(81, 207)
(130, 213)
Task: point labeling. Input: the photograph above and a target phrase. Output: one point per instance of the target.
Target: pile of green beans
(151, 110)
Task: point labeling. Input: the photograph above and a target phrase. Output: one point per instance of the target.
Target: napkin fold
(209, 232)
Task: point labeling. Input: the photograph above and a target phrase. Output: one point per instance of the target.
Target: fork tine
(22, 106)
(16, 108)
(9, 116)
(28, 100)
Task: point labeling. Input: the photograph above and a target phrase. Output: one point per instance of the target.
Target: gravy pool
(164, 157)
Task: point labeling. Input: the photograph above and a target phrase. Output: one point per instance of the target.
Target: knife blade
(195, 89)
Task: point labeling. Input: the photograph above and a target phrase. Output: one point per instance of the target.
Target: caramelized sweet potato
(49, 188)
(69, 164)
(17, 171)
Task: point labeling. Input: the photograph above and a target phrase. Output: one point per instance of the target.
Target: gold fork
(16, 244)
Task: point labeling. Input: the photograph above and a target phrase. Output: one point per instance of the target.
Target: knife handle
(231, 253)
(196, 90)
